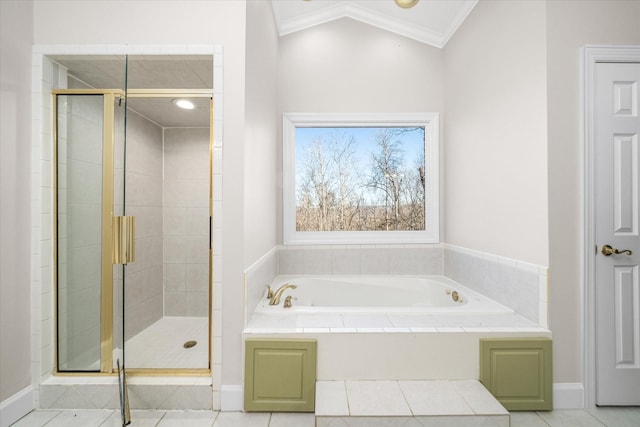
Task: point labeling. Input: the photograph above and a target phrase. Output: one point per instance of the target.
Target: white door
(617, 187)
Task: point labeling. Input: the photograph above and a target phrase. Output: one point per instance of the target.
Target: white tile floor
(407, 404)
(161, 344)
(598, 417)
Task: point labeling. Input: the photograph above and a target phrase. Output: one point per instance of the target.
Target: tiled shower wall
(186, 221)
(143, 290)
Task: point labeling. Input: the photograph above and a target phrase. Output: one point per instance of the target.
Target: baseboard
(231, 398)
(568, 396)
(16, 407)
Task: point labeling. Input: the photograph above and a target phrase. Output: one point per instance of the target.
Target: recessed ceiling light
(405, 4)
(184, 104)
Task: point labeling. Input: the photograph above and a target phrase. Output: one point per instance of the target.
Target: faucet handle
(269, 292)
(287, 301)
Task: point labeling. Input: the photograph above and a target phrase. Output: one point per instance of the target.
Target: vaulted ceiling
(430, 21)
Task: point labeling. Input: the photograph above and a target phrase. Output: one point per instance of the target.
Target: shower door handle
(124, 242)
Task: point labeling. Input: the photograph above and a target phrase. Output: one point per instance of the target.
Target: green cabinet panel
(517, 371)
(280, 375)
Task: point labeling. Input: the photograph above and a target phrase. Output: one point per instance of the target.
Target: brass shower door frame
(106, 287)
(108, 247)
(187, 93)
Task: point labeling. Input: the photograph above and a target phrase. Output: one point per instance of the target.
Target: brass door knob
(607, 250)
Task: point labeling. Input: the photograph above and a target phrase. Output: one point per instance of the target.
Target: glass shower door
(84, 185)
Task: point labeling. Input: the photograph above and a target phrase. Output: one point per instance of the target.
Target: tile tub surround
(518, 285)
(338, 260)
(448, 342)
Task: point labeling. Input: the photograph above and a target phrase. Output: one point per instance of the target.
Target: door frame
(591, 56)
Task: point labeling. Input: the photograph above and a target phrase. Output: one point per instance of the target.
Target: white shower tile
(188, 419)
(371, 330)
(139, 418)
(242, 419)
(318, 261)
(197, 304)
(36, 418)
(279, 419)
(174, 249)
(404, 261)
(197, 277)
(346, 261)
(291, 261)
(478, 398)
(313, 320)
(374, 261)
(619, 417)
(354, 320)
(434, 398)
(376, 398)
(174, 220)
(197, 249)
(80, 418)
(570, 418)
(175, 303)
(197, 221)
(175, 277)
(331, 398)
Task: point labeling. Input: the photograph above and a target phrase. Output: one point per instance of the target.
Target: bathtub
(377, 294)
(388, 327)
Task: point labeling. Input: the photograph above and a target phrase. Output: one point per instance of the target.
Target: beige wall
(16, 26)
(261, 130)
(570, 26)
(181, 23)
(346, 66)
(495, 147)
(364, 75)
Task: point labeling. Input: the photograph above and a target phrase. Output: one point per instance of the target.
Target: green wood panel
(280, 375)
(517, 371)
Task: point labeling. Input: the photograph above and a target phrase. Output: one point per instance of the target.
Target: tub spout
(275, 298)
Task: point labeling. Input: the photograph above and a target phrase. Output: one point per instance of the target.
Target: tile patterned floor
(597, 417)
(459, 403)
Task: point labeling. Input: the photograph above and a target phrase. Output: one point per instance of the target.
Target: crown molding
(371, 17)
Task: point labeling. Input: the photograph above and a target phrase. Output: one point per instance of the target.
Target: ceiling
(430, 21)
(147, 72)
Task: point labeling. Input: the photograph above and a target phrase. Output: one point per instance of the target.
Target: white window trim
(430, 122)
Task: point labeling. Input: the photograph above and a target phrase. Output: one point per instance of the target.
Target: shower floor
(161, 345)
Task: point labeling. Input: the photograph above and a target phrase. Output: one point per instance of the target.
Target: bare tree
(333, 195)
(387, 176)
(347, 185)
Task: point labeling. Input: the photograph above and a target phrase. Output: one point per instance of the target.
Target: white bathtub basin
(398, 294)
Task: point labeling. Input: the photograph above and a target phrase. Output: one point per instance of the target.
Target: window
(360, 178)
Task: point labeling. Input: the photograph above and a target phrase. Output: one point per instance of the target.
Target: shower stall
(133, 214)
